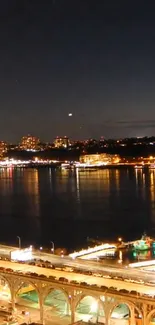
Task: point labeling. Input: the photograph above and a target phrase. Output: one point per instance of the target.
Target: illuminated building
(29, 142)
(3, 148)
(99, 159)
(61, 142)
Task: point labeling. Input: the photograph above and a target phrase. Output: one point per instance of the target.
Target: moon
(70, 114)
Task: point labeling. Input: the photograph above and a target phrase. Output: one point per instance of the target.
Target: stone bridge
(74, 293)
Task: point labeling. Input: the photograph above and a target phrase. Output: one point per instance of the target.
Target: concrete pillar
(107, 317)
(132, 320)
(107, 321)
(144, 321)
(72, 314)
(41, 314)
(144, 318)
(13, 299)
(67, 309)
(72, 309)
(41, 306)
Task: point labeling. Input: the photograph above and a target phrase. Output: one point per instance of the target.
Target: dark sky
(94, 58)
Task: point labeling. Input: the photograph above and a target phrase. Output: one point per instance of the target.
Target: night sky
(93, 58)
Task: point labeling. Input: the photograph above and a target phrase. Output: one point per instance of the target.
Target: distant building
(61, 142)
(99, 159)
(29, 142)
(3, 148)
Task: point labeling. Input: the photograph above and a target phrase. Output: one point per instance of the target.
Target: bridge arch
(149, 317)
(49, 289)
(88, 306)
(83, 295)
(6, 279)
(27, 299)
(23, 283)
(6, 286)
(130, 309)
(56, 299)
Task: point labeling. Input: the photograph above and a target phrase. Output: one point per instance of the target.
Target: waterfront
(67, 207)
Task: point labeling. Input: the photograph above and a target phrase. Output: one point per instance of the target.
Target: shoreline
(80, 168)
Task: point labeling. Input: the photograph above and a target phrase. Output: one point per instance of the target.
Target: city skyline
(66, 139)
(82, 68)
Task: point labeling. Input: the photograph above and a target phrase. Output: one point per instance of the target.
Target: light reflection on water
(69, 206)
(126, 256)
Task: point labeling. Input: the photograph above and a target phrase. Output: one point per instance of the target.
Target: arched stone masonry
(62, 291)
(145, 307)
(149, 316)
(131, 306)
(84, 295)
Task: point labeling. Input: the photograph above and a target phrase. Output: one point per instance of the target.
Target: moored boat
(143, 244)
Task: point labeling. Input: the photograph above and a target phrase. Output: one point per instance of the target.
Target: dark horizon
(91, 58)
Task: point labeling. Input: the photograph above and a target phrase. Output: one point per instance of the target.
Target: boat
(143, 244)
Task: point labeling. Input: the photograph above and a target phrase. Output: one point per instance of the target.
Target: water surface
(43, 205)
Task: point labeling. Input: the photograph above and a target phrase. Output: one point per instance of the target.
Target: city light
(29, 143)
(22, 254)
(94, 307)
(99, 159)
(13, 162)
(61, 142)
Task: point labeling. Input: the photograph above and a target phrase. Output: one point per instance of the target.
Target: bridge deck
(92, 280)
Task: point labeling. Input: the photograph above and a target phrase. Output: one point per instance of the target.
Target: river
(67, 207)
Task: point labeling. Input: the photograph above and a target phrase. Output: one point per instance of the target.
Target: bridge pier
(72, 309)
(144, 319)
(13, 299)
(142, 309)
(41, 307)
(67, 309)
(107, 321)
(132, 320)
(72, 315)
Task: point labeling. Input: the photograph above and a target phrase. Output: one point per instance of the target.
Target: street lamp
(19, 241)
(52, 249)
